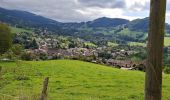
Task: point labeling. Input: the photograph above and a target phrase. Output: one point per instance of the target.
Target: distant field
(136, 44)
(19, 30)
(111, 44)
(167, 41)
(73, 80)
(90, 44)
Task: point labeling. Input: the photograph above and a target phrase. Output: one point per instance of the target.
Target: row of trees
(7, 48)
(5, 38)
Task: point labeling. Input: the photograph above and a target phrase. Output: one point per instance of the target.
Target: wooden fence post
(153, 82)
(43, 95)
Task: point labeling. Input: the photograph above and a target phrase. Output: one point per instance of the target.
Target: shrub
(28, 56)
(5, 38)
(167, 70)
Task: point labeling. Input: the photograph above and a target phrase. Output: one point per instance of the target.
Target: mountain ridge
(27, 19)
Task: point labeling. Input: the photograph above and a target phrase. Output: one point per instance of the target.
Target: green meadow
(90, 44)
(72, 80)
(137, 44)
(19, 30)
(167, 41)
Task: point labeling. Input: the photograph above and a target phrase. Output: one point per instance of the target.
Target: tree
(153, 81)
(34, 44)
(17, 49)
(28, 56)
(5, 38)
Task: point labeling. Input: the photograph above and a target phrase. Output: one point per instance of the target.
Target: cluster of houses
(45, 47)
(64, 53)
(127, 64)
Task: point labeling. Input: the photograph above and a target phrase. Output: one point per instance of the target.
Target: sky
(84, 10)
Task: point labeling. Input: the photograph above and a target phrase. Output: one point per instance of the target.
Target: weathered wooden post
(153, 78)
(43, 95)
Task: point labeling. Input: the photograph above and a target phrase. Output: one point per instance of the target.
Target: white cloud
(168, 17)
(83, 10)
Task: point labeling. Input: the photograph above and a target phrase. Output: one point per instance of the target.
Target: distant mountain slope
(142, 25)
(107, 22)
(139, 25)
(100, 22)
(23, 18)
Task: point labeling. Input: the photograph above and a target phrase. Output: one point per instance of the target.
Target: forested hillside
(107, 28)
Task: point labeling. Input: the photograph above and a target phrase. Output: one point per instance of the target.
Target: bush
(28, 56)
(167, 70)
(43, 56)
(5, 38)
(17, 49)
(9, 56)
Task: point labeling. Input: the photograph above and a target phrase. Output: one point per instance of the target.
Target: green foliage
(9, 55)
(76, 80)
(5, 38)
(128, 35)
(105, 55)
(26, 39)
(166, 43)
(17, 49)
(34, 44)
(14, 53)
(28, 56)
(139, 55)
(43, 56)
(166, 70)
(107, 22)
(140, 25)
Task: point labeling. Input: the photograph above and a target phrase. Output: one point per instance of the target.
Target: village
(100, 55)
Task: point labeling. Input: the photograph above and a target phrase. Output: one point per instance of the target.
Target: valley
(99, 59)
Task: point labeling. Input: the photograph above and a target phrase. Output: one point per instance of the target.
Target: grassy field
(167, 41)
(90, 44)
(136, 44)
(19, 30)
(111, 44)
(72, 80)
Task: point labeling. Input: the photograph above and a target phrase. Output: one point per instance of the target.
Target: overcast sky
(83, 10)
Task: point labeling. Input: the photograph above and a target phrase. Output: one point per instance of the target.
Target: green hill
(25, 19)
(72, 80)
